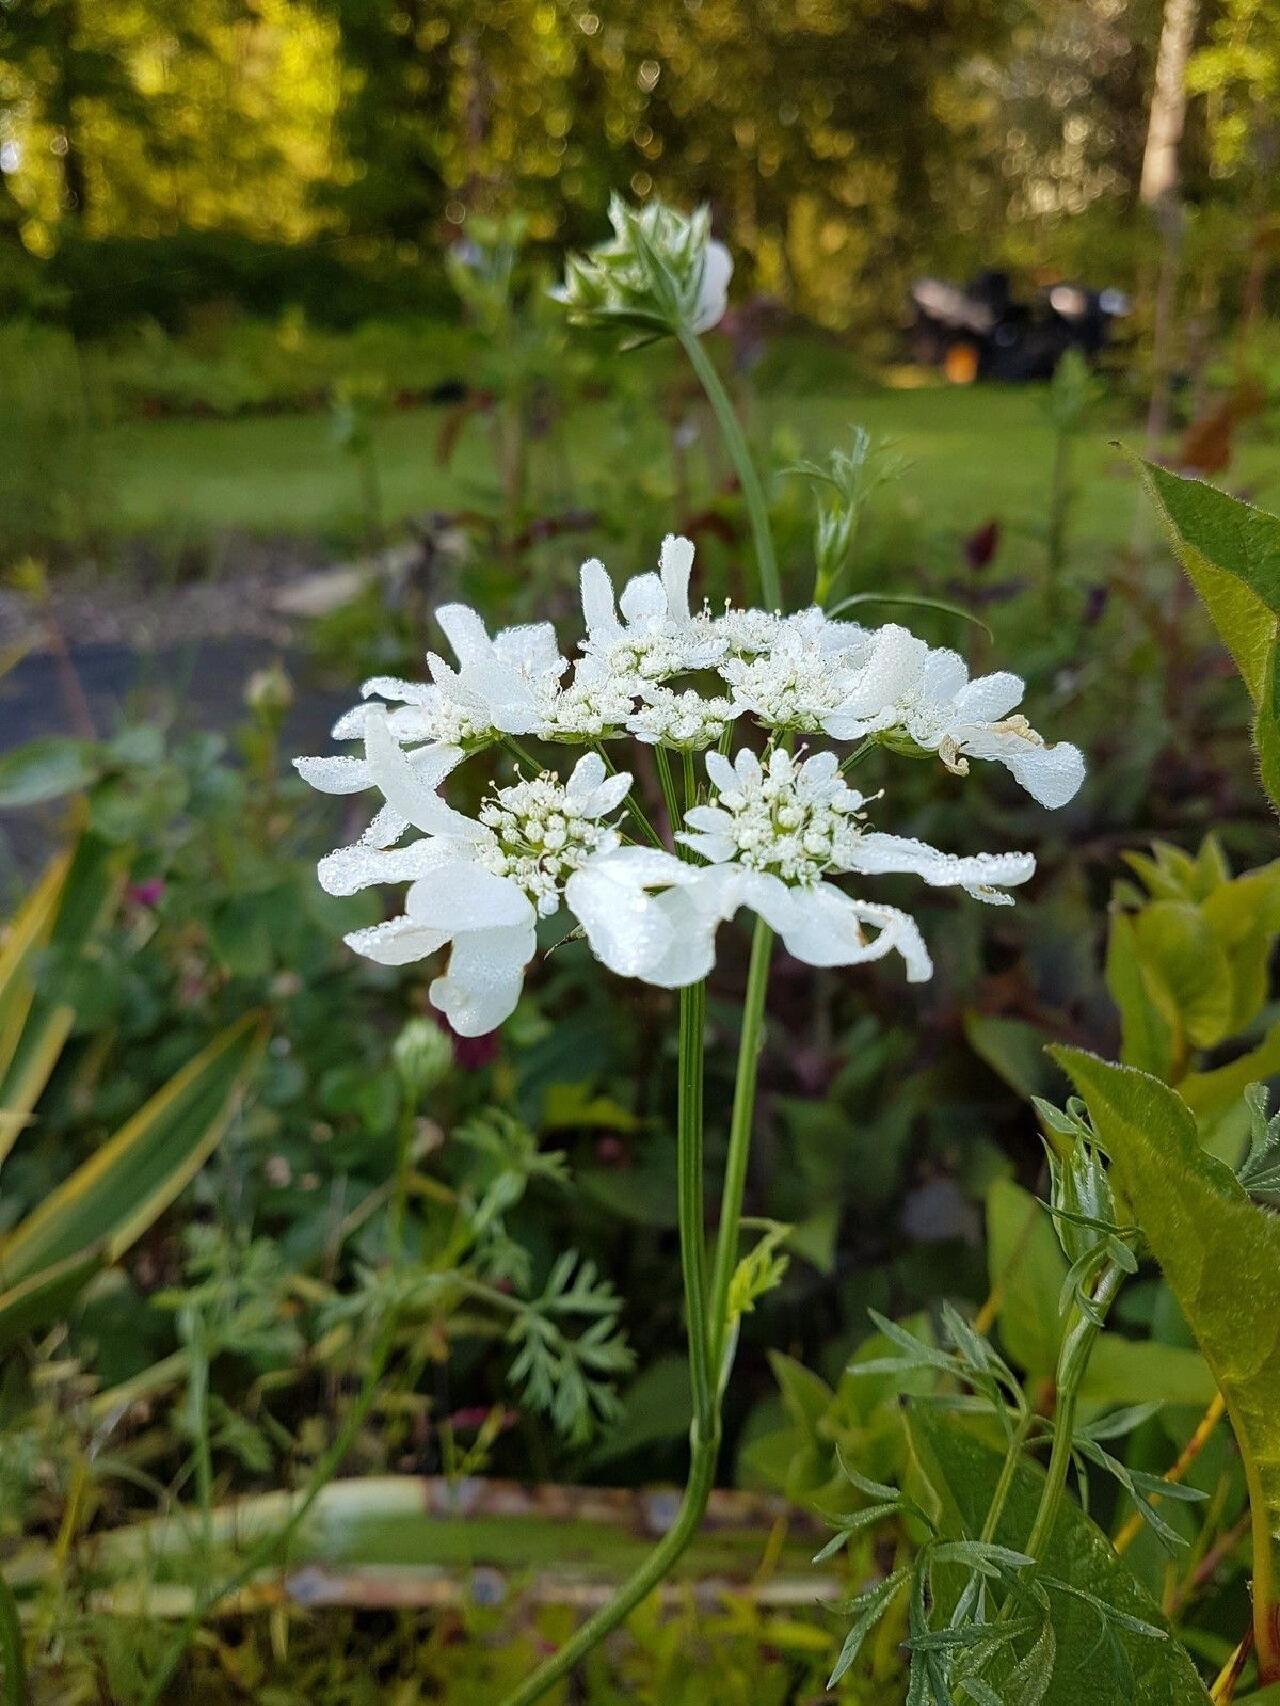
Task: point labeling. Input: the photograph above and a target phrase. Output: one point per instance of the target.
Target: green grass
(975, 454)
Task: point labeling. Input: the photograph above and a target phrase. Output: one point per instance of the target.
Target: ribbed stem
(739, 454)
(735, 1174)
(711, 1327)
(1073, 1360)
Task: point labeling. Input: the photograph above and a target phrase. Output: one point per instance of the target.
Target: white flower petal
(335, 775)
(409, 785)
(597, 599)
(675, 565)
(875, 854)
(588, 773)
(713, 289)
(485, 976)
(643, 600)
(627, 903)
(723, 775)
(397, 942)
(988, 698)
(349, 869)
(1051, 774)
(461, 896)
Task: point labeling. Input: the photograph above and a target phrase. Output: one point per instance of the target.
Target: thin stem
(15, 1676)
(667, 783)
(523, 754)
(276, 1545)
(640, 1585)
(691, 1212)
(1073, 1359)
(995, 1510)
(735, 1173)
(632, 801)
(400, 1193)
(704, 1436)
(736, 444)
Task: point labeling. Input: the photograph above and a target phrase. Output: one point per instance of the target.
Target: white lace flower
(800, 821)
(593, 705)
(651, 634)
(502, 685)
(805, 675)
(773, 837)
(478, 885)
(683, 720)
(908, 689)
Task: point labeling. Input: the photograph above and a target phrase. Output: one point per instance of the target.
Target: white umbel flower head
(924, 696)
(478, 884)
(650, 634)
(661, 271)
(777, 836)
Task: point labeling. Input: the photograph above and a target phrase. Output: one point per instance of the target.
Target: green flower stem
(632, 801)
(667, 783)
(735, 1174)
(1073, 1360)
(15, 1678)
(674, 1543)
(714, 1327)
(691, 1212)
(400, 1191)
(1012, 1458)
(740, 455)
(276, 1546)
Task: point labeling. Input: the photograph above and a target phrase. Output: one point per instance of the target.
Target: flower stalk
(736, 444)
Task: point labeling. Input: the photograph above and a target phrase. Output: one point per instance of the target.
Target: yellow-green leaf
(81, 898)
(1231, 554)
(46, 1295)
(1220, 1254)
(133, 1178)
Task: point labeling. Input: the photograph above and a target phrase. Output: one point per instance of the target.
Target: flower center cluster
(540, 837)
(782, 827)
(788, 689)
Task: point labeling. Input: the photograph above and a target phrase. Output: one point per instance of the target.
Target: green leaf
(46, 769)
(1026, 1270)
(1211, 1094)
(47, 1295)
(81, 899)
(1220, 1254)
(808, 1399)
(656, 1408)
(1231, 554)
(1146, 1035)
(1015, 1051)
(962, 1470)
(112, 1199)
(1186, 970)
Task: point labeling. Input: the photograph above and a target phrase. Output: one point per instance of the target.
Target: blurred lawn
(976, 454)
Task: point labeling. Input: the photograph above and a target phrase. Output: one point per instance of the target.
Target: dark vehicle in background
(980, 331)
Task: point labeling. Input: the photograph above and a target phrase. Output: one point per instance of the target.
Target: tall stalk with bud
(752, 718)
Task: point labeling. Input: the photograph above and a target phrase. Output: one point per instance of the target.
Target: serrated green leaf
(963, 1471)
(1231, 554)
(1220, 1254)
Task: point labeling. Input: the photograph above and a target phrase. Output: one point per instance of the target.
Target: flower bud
(661, 271)
(422, 1055)
(269, 692)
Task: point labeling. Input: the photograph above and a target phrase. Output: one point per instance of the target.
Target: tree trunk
(1160, 191)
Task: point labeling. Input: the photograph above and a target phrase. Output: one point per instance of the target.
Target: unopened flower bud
(422, 1055)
